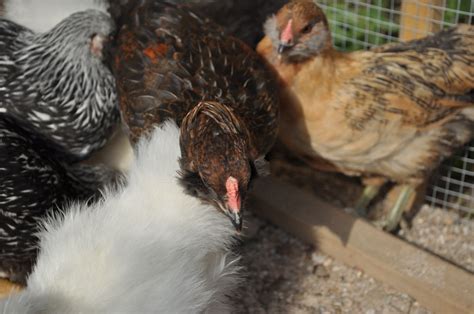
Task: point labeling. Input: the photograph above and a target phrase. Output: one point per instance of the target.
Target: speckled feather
(168, 61)
(240, 18)
(53, 81)
(395, 111)
(212, 124)
(33, 184)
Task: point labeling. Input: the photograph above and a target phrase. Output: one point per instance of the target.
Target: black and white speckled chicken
(42, 15)
(32, 184)
(147, 247)
(57, 81)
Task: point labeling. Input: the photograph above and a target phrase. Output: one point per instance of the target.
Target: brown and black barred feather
(395, 111)
(34, 184)
(169, 60)
(172, 64)
(426, 85)
(211, 124)
(240, 18)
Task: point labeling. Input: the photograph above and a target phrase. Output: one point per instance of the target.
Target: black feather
(33, 184)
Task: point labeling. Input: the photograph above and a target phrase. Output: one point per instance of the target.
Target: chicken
(393, 113)
(146, 248)
(42, 15)
(172, 64)
(32, 184)
(57, 81)
(240, 18)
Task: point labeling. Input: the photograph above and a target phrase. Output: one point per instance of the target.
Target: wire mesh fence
(362, 24)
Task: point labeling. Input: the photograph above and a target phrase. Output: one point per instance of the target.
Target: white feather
(146, 248)
(42, 15)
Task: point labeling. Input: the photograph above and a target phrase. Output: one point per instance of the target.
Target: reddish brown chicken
(240, 18)
(172, 64)
(392, 113)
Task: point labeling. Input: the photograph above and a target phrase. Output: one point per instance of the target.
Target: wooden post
(435, 283)
(6, 287)
(419, 18)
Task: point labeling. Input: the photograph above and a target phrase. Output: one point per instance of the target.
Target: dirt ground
(284, 275)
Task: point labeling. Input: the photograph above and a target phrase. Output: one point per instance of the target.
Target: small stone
(327, 262)
(448, 221)
(323, 310)
(465, 230)
(370, 311)
(321, 271)
(310, 301)
(347, 303)
(403, 302)
(417, 309)
(317, 258)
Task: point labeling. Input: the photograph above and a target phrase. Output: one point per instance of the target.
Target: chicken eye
(307, 28)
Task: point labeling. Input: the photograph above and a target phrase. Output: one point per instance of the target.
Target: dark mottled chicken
(57, 81)
(172, 64)
(32, 185)
(240, 18)
(393, 113)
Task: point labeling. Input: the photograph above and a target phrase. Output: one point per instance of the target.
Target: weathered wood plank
(436, 284)
(6, 287)
(420, 18)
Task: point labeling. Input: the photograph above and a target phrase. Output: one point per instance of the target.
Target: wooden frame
(419, 18)
(435, 283)
(6, 288)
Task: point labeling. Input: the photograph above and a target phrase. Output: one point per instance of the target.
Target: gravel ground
(444, 233)
(284, 275)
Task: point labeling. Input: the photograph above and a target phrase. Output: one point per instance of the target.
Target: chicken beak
(236, 219)
(97, 44)
(286, 38)
(282, 47)
(233, 204)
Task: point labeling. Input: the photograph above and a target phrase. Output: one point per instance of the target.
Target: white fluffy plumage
(147, 247)
(41, 15)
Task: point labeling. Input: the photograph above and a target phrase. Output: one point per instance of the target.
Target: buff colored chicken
(393, 113)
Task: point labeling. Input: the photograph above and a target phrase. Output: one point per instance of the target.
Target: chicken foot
(404, 200)
(371, 190)
(362, 203)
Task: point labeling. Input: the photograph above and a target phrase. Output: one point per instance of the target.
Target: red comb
(232, 187)
(287, 34)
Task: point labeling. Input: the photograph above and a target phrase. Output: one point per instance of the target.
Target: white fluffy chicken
(147, 247)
